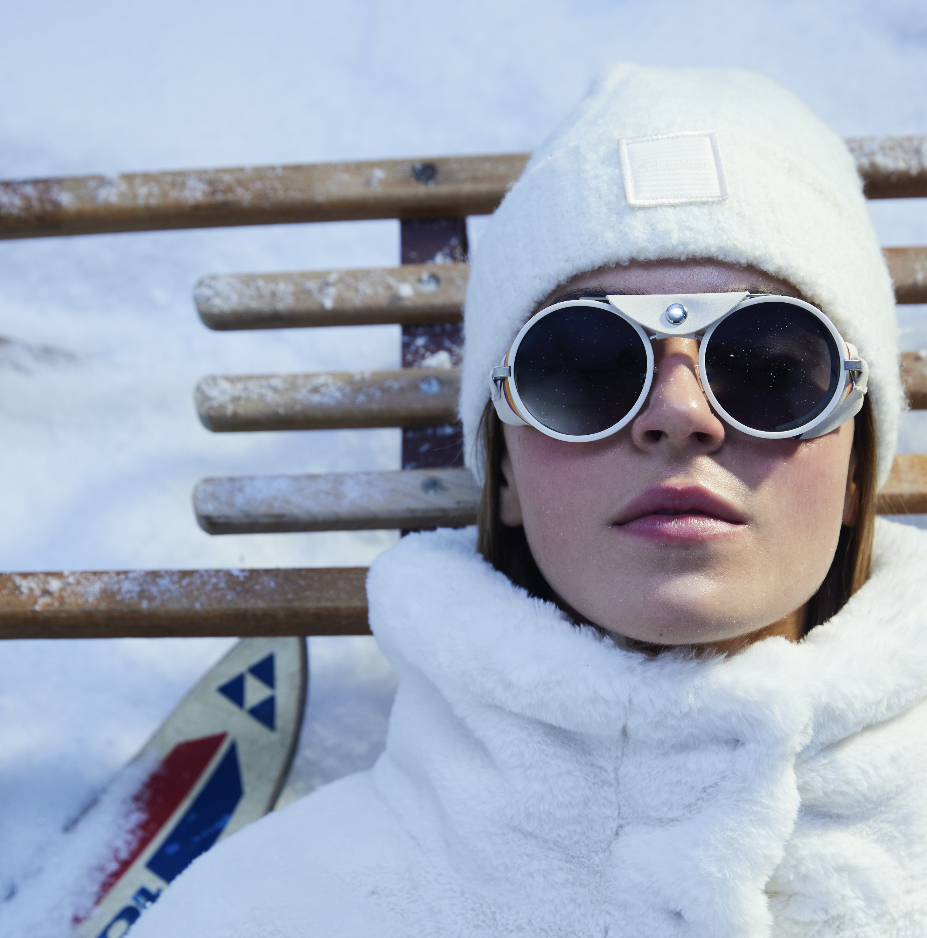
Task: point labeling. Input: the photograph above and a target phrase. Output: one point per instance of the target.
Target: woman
(684, 690)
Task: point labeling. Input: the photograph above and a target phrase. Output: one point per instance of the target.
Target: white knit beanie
(768, 186)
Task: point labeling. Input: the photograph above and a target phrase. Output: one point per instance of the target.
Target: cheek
(812, 483)
(560, 489)
(799, 502)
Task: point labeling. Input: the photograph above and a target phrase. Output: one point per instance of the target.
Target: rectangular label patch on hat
(672, 169)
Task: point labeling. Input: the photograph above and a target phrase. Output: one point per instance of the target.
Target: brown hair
(507, 549)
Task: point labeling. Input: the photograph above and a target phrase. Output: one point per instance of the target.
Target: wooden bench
(432, 199)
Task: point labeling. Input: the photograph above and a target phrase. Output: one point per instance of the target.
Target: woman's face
(679, 528)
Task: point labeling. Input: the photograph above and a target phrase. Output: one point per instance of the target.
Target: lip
(679, 513)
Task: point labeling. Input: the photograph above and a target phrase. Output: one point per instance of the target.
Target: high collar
(531, 756)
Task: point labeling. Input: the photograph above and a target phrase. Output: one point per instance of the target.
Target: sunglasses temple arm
(497, 378)
(850, 406)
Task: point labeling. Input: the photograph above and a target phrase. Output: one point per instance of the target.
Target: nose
(677, 413)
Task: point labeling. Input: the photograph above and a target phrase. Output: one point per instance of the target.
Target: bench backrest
(431, 198)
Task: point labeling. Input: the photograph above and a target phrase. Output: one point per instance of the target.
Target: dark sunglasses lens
(772, 366)
(580, 370)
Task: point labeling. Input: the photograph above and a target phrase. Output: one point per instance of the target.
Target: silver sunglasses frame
(696, 316)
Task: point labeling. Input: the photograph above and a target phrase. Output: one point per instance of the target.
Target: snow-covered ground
(100, 346)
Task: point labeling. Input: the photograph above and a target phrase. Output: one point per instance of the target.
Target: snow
(101, 346)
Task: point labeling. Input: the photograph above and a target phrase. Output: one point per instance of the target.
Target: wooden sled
(432, 199)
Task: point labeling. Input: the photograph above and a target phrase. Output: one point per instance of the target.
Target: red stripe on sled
(162, 793)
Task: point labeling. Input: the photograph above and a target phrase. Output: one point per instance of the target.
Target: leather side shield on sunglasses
(771, 366)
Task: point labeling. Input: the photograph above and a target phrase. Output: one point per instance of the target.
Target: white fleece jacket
(541, 781)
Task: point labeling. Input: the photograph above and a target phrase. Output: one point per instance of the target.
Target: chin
(685, 625)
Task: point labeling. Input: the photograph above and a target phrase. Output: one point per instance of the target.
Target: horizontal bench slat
(908, 267)
(410, 499)
(414, 293)
(914, 378)
(411, 294)
(184, 603)
(406, 397)
(891, 167)
(264, 195)
(905, 492)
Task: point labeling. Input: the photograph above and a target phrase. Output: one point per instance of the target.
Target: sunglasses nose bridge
(680, 314)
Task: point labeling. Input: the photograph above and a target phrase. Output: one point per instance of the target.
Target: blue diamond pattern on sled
(264, 671)
(234, 690)
(243, 689)
(264, 712)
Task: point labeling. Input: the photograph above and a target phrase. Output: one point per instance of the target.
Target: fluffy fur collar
(541, 782)
(567, 783)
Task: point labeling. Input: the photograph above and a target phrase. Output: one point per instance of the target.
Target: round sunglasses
(771, 366)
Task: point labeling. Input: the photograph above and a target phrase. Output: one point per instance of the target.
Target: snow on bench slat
(414, 293)
(908, 267)
(176, 603)
(891, 167)
(350, 501)
(411, 294)
(407, 397)
(261, 195)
